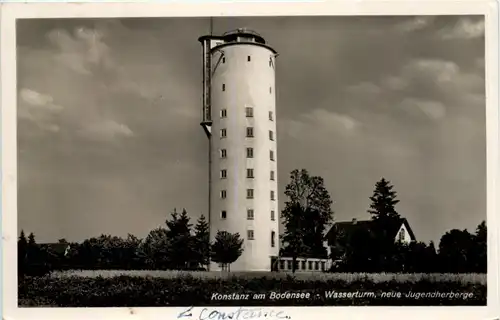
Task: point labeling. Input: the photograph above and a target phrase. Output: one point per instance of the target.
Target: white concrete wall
(247, 84)
(407, 238)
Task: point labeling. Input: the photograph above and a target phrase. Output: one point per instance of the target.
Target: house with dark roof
(400, 230)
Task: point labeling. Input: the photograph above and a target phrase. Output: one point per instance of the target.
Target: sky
(109, 140)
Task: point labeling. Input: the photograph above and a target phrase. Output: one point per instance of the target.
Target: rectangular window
(223, 87)
(223, 194)
(272, 215)
(248, 58)
(270, 90)
(223, 113)
(282, 265)
(250, 235)
(271, 115)
(316, 265)
(271, 155)
(249, 152)
(223, 214)
(271, 135)
(223, 174)
(289, 264)
(249, 132)
(323, 265)
(250, 173)
(223, 133)
(224, 60)
(272, 195)
(310, 265)
(303, 263)
(273, 235)
(272, 175)
(249, 193)
(249, 112)
(223, 153)
(250, 214)
(270, 61)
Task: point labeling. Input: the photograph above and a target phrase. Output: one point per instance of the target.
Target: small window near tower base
(270, 115)
(273, 235)
(248, 58)
(223, 214)
(223, 87)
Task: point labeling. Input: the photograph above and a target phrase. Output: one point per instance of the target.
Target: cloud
(465, 28)
(436, 70)
(394, 83)
(434, 110)
(364, 88)
(83, 51)
(107, 130)
(39, 109)
(415, 24)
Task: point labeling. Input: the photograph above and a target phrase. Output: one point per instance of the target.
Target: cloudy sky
(109, 111)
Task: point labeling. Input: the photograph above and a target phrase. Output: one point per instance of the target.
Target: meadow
(153, 288)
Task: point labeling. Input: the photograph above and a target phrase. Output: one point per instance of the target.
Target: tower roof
(243, 32)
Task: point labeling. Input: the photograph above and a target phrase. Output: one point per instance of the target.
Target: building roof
(350, 226)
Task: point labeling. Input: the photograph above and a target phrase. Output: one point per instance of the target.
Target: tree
(202, 241)
(22, 249)
(226, 249)
(306, 215)
(383, 201)
(385, 219)
(454, 251)
(478, 252)
(181, 250)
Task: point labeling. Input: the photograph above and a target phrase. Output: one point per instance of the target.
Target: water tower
(239, 118)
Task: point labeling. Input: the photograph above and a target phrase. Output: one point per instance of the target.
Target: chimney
(354, 221)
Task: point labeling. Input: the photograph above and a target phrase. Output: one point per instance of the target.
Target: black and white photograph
(252, 161)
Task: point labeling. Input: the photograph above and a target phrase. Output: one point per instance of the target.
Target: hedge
(128, 291)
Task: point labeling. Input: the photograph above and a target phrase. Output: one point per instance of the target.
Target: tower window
(249, 152)
(223, 194)
(223, 214)
(271, 135)
(249, 193)
(271, 115)
(223, 113)
(223, 59)
(249, 132)
(223, 87)
(223, 174)
(249, 112)
(273, 235)
(223, 133)
(270, 90)
(271, 155)
(272, 195)
(223, 153)
(250, 214)
(250, 173)
(272, 215)
(250, 234)
(270, 62)
(248, 58)
(271, 175)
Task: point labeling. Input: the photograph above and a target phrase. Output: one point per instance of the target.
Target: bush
(188, 290)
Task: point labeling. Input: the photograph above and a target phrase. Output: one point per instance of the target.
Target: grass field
(115, 288)
(464, 278)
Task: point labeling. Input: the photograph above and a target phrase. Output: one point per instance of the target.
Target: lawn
(141, 288)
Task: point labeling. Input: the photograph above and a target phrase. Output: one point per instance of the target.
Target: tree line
(177, 246)
(308, 214)
(306, 217)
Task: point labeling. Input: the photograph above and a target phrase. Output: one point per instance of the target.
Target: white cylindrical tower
(243, 153)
